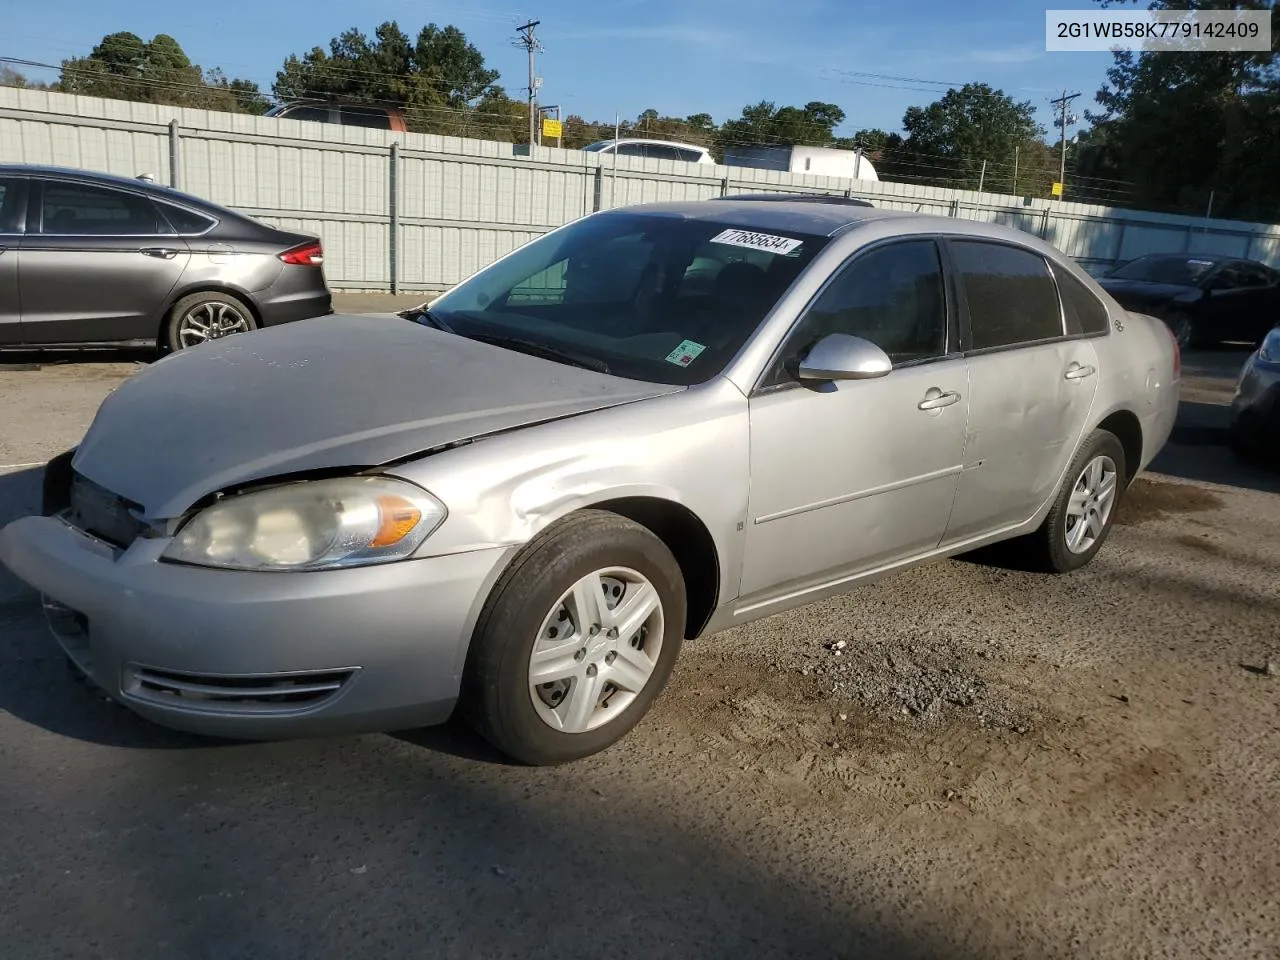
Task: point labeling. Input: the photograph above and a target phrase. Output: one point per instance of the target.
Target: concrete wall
(415, 212)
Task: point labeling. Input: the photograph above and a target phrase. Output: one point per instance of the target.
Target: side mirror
(839, 356)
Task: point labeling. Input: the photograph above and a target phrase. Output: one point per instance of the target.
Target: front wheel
(1084, 511)
(576, 641)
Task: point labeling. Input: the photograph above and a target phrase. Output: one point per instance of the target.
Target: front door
(98, 265)
(1032, 380)
(850, 475)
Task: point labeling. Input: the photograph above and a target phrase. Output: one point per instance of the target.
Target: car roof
(158, 190)
(665, 143)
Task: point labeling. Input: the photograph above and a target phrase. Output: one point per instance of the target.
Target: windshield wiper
(424, 316)
(543, 350)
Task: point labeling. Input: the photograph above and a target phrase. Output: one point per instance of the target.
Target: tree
(765, 124)
(10, 77)
(436, 79)
(948, 140)
(1183, 127)
(125, 67)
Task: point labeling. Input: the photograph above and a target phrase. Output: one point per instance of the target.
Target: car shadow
(33, 360)
(1197, 450)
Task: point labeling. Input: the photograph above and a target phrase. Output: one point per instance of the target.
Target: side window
(690, 156)
(315, 114)
(631, 150)
(893, 296)
(1083, 312)
(73, 208)
(544, 287)
(8, 206)
(185, 221)
(359, 117)
(1010, 294)
(606, 274)
(1228, 278)
(1254, 275)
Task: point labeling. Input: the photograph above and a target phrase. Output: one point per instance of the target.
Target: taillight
(305, 255)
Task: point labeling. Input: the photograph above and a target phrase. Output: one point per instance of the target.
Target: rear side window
(80, 209)
(185, 221)
(1083, 312)
(691, 156)
(1010, 293)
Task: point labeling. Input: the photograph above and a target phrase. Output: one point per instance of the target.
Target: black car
(1204, 299)
(1254, 431)
(89, 259)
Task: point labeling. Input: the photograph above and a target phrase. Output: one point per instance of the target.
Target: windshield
(1186, 271)
(595, 147)
(643, 296)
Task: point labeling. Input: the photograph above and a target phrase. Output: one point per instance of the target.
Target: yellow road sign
(1057, 189)
(552, 128)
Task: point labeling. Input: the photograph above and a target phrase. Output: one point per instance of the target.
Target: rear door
(98, 264)
(12, 216)
(1031, 384)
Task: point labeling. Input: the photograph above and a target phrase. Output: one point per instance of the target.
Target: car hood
(1144, 291)
(330, 392)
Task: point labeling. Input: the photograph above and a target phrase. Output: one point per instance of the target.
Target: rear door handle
(1078, 372)
(935, 399)
(162, 253)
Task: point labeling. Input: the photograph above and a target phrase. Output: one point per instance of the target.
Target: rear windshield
(648, 296)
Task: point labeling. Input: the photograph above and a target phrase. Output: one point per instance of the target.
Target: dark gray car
(93, 259)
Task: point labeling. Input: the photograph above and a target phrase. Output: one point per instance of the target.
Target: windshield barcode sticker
(757, 241)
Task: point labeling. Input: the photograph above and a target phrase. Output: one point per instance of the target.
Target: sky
(605, 57)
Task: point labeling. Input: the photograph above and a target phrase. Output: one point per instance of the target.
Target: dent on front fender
(689, 449)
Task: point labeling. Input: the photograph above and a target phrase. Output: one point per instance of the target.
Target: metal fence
(404, 212)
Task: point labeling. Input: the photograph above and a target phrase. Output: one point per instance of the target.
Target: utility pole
(529, 40)
(1064, 118)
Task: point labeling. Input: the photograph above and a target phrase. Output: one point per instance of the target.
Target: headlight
(1270, 349)
(312, 525)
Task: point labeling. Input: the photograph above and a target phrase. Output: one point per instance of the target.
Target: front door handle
(936, 399)
(1078, 372)
(162, 253)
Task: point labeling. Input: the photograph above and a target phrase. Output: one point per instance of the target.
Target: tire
(535, 605)
(1049, 549)
(1185, 330)
(221, 313)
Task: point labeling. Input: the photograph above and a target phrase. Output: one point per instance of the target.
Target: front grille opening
(251, 692)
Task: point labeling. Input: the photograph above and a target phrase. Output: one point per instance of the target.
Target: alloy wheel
(211, 320)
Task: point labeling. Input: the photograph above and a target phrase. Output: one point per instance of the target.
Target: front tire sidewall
(1061, 559)
(497, 699)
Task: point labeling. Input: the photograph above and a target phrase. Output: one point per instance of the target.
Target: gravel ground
(961, 761)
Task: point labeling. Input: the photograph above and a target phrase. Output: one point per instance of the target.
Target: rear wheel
(1185, 330)
(210, 315)
(576, 641)
(1083, 513)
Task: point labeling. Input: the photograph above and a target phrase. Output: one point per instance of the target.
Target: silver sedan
(519, 501)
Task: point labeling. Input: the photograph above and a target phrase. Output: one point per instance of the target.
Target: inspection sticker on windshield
(757, 241)
(686, 353)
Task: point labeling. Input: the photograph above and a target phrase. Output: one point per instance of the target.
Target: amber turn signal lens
(397, 519)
